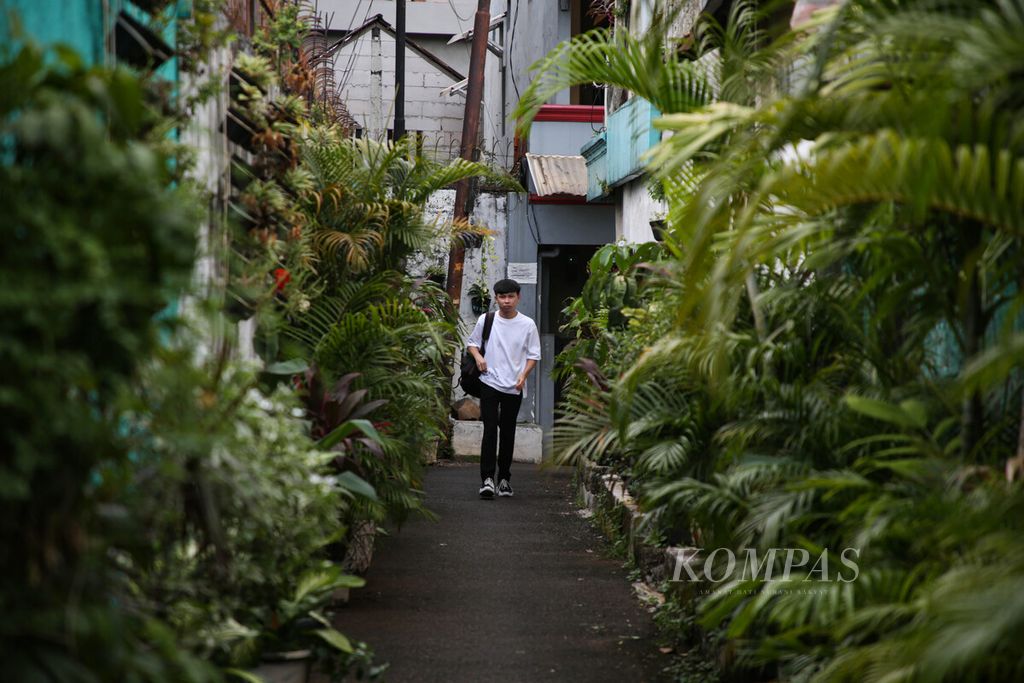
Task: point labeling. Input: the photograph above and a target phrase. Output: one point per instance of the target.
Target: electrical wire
(535, 225)
(355, 48)
(354, 54)
(352, 21)
(456, 13)
(530, 209)
(348, 64)
(508, 50)
(490, 121)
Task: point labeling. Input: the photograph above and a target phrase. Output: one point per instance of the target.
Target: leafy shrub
(170, 515)
(96, 243)
(232, 507)
(838, 361)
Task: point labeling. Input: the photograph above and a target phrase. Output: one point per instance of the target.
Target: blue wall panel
(630, 134)
(80, 24)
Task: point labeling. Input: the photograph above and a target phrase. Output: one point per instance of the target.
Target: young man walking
(510, 354)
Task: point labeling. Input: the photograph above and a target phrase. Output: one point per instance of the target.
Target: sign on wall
(523, 273)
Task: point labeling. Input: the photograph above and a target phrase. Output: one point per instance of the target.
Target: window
(584, 20)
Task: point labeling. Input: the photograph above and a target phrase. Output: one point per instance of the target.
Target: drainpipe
(399, 69)
(470, 131)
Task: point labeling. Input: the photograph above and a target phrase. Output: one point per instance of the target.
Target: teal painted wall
(595, 152)
(630, 134)
(615, 156)
(82, 25)
(169, 69)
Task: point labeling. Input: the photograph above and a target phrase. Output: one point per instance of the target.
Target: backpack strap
(488, 324)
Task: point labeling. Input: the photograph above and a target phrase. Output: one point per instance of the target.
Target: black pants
(498, 410)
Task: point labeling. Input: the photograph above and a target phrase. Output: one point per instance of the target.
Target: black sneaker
(487, 490)
(504, 488)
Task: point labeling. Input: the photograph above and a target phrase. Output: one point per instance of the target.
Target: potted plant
(285, 667)
(297, 630)
(436, 275)
(479, 298)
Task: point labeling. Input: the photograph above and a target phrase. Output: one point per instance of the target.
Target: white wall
(561, 137)
(539, 25)
(487, 263)
(438, 17)
(438, 115)
(484, 264)
(430, 23)
(202, 134)
(440, 208)
(634, 212)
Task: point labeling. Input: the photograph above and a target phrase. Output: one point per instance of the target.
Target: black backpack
(469, 378)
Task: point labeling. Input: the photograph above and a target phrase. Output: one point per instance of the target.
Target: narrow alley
(512, 589)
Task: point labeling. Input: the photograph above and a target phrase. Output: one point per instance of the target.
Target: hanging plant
(602, 12)
(479, 298)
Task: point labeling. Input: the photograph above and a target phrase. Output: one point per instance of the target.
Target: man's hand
(481, 364)
(521, 379)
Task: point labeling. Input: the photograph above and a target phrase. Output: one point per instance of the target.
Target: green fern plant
(838, 359)
(366, 213)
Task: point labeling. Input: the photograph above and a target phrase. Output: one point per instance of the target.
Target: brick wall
(437, 115)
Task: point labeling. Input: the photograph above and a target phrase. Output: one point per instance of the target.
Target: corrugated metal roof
(554, 174)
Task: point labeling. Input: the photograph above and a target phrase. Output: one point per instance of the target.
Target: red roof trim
(557, 199)
(578, 113)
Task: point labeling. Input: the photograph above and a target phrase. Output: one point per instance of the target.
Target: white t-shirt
(513, 341)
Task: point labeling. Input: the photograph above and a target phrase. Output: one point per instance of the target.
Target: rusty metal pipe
(470, 132)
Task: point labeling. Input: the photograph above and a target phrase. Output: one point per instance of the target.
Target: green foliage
(233, 468)
(170, 515)
(698, 652)
(366, 213)
(828, 356)
(329, 232)
(257, 68)
(199, 35)
(351, 313)
(618, 58)
(400, 350)
(661, 66)
(281, 36)
(96, 244)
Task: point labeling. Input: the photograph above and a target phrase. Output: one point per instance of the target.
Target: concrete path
(513, 589)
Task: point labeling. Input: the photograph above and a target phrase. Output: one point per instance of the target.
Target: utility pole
(399, 69)
(470, 130)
